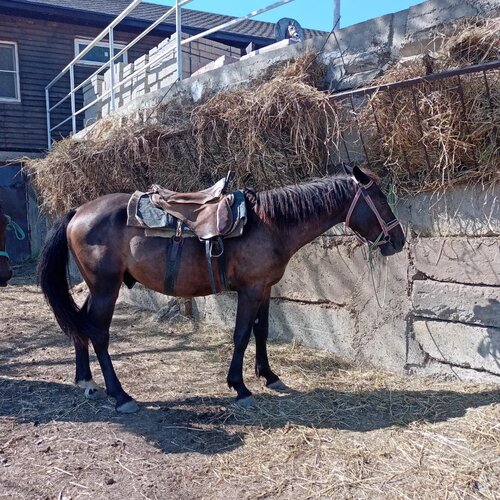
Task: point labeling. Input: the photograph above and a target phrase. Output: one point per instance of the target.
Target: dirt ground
(343, 432)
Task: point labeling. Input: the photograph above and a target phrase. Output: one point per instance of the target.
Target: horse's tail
(53, 280)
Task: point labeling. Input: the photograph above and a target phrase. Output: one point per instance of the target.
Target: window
(9, 72)
(99, 54)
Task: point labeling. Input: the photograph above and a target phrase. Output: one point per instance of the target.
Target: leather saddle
(211, 214)
(206, 213)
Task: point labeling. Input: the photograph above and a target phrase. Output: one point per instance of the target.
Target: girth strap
(174, 250)
(173, 261)
(209, 249)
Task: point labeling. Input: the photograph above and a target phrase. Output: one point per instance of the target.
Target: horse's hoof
(128, 407)
(278, 386)
(248, 402)
(94, 393)
(91, 389)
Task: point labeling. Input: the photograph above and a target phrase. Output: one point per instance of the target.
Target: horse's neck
(304, 232)
(301, 233)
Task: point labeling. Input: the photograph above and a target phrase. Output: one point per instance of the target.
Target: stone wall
(441, 311)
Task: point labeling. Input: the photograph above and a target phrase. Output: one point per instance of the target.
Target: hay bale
(473, 41)
(276, 132)
(271, 133)
(443, 133)
(118, 155)
(282, 129)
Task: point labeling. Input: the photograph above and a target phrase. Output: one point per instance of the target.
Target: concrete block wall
(455, 281)
(442, 297)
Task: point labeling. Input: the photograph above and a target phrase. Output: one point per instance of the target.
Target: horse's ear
(346, 168)
(360, 176)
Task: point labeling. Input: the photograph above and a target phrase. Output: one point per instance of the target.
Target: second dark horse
(280, 221)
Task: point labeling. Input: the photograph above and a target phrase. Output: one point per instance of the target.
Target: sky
(314, 14)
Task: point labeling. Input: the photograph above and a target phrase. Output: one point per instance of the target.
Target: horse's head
(5, 270)
(371, 217)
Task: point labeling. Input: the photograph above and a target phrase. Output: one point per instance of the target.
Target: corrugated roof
(151, 12)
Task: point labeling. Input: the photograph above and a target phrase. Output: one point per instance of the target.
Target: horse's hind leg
(83, 375)
(261, 332)
(100, 309)
(83, 378)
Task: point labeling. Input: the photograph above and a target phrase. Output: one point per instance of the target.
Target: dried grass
(344, 432)
(443, 133)
(473, 41)
(279, 131)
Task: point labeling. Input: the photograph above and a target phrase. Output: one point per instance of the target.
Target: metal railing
(110, 64)
(346, 98)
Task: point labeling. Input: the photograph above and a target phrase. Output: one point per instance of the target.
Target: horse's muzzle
(395, 244)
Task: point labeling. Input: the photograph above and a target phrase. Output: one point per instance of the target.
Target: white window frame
(88, 41)
(16, 72)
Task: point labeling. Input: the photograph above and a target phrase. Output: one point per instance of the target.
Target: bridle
(18, 231)
(383, 237)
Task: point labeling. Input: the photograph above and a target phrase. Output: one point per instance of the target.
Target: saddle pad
(141, 212)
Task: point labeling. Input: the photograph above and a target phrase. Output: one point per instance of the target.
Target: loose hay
(278, 132)
(344, 432)
(274, 133)
(444, 133)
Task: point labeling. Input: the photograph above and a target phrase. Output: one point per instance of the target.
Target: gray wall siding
(44, 49)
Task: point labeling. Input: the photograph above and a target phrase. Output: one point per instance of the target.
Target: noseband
(384, 236)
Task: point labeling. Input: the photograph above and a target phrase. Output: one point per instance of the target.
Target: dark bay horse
(109, 253)
(5, 269)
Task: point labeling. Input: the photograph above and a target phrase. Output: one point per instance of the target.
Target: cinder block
(314, 325)
(473, 261)
(218, 63)
(270, 48)
(458, 344)
(473, 211)
(91, 91)
(139, 81)
(434, 12)
(479, 305)
(127, 88)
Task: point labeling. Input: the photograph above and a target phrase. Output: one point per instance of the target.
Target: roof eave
(58, 13)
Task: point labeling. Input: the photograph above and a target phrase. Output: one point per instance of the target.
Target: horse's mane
(301, 202)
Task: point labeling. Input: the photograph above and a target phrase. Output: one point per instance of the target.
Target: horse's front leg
(249, 302)
(261, 332)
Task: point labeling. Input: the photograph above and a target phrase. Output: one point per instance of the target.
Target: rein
(18, 232)
(386, 227)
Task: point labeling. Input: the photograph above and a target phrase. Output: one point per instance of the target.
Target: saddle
(211, 215)
(208, 213)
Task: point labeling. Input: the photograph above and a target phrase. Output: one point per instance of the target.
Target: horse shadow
(39, 403)
(214, 425)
